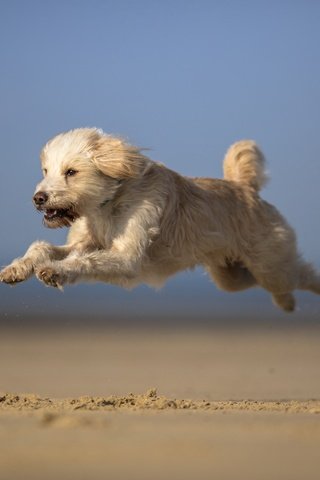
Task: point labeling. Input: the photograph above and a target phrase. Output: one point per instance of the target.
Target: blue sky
(184, 78)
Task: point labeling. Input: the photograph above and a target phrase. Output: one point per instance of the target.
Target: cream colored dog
(135, 221)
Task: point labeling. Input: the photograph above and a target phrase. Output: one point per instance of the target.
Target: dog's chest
(100, 232)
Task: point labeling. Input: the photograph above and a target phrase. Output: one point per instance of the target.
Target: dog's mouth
(59, 217)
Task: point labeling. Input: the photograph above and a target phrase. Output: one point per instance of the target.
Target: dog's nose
(40, 198)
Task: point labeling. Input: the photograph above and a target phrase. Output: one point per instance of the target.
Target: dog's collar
(103, 204)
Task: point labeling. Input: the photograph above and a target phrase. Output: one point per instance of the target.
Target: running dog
(134, 221)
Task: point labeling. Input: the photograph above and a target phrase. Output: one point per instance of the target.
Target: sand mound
(150, 401)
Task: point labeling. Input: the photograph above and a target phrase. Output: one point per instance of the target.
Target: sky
(183, 78)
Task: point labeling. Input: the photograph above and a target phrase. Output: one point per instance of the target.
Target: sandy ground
(225, 404)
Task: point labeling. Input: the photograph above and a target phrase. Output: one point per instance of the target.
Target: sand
(224, 404)
(52, 408)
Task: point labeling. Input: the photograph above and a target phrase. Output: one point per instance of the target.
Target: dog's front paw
(51, 276)
(18, 271)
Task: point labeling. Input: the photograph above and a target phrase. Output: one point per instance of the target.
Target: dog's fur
(135, 221)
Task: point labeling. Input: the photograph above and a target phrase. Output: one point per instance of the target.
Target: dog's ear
(116, 159)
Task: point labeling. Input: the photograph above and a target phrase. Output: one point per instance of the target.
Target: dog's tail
(244, 163)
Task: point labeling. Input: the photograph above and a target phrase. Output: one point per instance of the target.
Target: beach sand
(137, 403)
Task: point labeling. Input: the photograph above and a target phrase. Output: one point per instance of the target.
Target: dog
(134, 221)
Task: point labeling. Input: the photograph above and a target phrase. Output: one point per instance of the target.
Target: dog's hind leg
(280, 279)
(236, 278)
(232, 278)
(286, 301)
(309, 278)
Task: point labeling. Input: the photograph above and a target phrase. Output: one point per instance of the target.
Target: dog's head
(83, 169)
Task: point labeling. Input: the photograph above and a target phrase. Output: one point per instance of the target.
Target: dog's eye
(44, 171)
(70, 172)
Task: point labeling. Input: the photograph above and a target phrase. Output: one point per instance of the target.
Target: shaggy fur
(135, 221)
